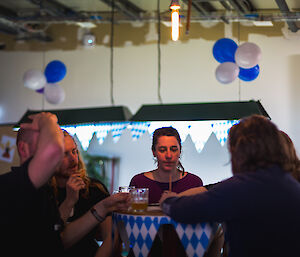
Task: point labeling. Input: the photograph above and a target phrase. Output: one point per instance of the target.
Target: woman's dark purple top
(157, 188)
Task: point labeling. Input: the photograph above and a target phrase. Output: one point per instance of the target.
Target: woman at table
(259, 204)
(169, 174)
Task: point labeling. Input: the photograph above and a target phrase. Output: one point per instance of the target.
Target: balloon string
(188, 22)
(43, 95)
(239, 45)
(112, 101)
(158, 54)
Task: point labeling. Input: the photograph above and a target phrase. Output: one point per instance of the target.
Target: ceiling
(29, 18)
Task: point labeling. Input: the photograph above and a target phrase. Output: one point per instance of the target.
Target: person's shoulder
(16, 189)
(98, 185)
(19, 176)
(6, 179)
(138, 178)
(193, 177)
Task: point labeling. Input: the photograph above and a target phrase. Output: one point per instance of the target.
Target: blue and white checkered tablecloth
(142, 229)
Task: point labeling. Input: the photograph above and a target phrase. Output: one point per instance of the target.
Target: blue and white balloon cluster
(45, 82)
(236, 61)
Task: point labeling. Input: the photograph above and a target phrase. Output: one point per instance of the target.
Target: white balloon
(54, 94)
(227, 72)
(247, 55)
(34, 79)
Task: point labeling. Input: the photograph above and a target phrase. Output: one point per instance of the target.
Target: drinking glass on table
(125, 189)
(139, 199)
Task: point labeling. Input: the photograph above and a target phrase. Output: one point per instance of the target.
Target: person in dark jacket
(259, 204)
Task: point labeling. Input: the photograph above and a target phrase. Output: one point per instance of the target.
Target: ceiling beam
(126, 7)
(204, 8)
(20, 31)
(225, 5)
(236, 7)
(54, 8)
(243, 5)
(286, 11)
(8, 27)
(7, 13)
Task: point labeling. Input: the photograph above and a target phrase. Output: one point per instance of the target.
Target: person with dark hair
(170, 174)
(259, 204)
(294, 160)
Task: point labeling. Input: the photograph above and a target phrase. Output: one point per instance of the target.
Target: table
(140, 229)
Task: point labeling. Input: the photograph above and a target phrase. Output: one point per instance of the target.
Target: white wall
(187, 76)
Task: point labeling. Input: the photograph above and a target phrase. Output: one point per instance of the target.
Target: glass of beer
(139, 199)
(125, 189)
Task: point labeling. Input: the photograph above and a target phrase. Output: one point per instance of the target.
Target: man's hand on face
(73, 186)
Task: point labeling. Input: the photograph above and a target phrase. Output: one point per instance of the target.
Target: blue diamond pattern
(132, 239)
(131, 221)
(194, 226)
(194, 241)
(139, 222)
(140, 240)
(148, 222)
(125, 219)
(164, 220)
(174, 223)
(184, 241)
(148, 241)
(155, 222)
(204, 240)
(134, 226)
(183, 225)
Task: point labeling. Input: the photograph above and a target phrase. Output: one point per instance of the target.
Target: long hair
(167, 131)
(83, 174)
(294, 162)
(254, 143)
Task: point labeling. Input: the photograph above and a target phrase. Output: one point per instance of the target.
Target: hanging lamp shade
(199, 111)
(175, 5)
(84, 115)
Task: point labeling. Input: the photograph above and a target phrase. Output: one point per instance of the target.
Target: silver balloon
(54, 94)
(34, 79)
(247, 55)
(227, 72)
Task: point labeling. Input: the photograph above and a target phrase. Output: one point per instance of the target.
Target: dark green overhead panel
(86, 116)
(158, 112)
(199, 111)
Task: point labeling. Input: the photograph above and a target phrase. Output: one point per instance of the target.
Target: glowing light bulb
(175, 19)
(175, 25)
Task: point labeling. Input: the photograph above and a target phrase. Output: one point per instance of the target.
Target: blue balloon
(55, 71)
(249, 74)
(40, 91)
(224, 50)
